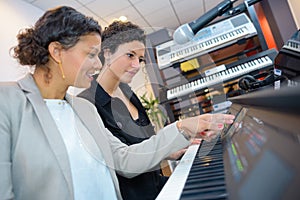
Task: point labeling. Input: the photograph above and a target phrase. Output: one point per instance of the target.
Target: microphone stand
(218, 10)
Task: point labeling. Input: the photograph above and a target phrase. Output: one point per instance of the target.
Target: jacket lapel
(50, 129)
(87, 113)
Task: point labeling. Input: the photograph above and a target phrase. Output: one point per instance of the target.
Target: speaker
(248, 82)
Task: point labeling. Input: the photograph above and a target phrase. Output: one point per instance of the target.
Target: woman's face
(127, 60)
(81, 61)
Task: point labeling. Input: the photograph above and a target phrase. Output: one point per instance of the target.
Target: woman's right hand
(205, 126)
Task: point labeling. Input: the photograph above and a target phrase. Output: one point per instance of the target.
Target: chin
(127, 80)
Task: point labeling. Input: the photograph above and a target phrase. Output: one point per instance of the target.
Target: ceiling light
(123, 18)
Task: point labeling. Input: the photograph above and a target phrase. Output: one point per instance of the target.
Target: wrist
(182, 131)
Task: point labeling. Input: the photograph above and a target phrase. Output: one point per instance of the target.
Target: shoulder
(10, 90)
(12, 97)
(8, 85)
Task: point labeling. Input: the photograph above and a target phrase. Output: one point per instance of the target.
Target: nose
(136, 63)
(98, 64)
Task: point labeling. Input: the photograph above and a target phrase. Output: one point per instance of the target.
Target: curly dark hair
(62, 24)
(118, 33)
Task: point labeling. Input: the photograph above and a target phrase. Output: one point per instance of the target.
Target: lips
(91, 74)
(132, 72)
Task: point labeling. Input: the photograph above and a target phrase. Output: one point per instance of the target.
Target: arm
(146, 156)
(129, 160)
(139, 158)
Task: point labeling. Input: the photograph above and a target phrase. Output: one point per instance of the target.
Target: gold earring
(61, 70)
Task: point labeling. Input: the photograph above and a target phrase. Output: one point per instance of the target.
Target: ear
(106, 53)
(54, 49)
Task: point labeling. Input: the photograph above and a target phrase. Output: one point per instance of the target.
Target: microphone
(186, 32)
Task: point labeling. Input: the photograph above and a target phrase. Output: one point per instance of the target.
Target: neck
(50, 86)
(108, 80)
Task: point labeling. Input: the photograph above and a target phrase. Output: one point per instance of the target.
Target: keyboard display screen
(261, 156)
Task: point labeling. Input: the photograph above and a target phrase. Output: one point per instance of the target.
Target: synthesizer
(254, 158)
(211, 38)
(232, 71)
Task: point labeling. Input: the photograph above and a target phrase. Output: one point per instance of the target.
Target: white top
(91, 177)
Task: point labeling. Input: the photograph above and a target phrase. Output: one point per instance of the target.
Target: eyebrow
(94, 48)
(132, 51)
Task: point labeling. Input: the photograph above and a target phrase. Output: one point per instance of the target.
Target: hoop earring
(61, 70)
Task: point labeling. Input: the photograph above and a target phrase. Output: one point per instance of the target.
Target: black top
(117, 119)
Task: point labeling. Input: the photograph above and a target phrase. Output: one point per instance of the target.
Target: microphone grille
(183, 34)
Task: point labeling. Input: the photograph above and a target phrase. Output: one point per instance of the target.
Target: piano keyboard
(174, 186)
(250, 64)
(292, 45)
(211, 38)
(255, 158)
(206, 179)
(199, 174)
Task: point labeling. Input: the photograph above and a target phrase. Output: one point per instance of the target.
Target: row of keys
(174, 186)
(220, 77)
(211, 38)
(206, 179)
(293, 45)
(182, 53)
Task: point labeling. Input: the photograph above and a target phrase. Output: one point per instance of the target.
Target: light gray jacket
(34, 162)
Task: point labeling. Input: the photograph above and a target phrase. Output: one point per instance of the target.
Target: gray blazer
(34, 162)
